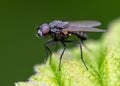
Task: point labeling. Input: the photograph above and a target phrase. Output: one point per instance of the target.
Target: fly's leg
(82, 42)
(62, 54)
(78, 42)
(82, 56)
(48, 51)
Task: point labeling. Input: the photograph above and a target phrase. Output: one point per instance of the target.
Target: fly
(62, 30)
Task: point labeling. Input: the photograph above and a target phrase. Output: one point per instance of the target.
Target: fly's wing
(83, 26)
(84, 29)
(84, 23)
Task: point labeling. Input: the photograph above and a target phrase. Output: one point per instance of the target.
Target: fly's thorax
(58, 24)
(60, 36)
(64, 31)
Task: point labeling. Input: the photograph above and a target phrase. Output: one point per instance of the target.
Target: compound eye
(45, 29)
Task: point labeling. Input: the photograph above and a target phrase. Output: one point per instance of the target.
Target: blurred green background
(20, 49)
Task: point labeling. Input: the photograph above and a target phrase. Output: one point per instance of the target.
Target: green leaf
(102, 59)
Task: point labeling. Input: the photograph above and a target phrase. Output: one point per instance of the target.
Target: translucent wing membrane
(84, 29)
(84, 23)
(84, 26)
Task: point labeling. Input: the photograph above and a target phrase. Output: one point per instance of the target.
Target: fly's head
(43, 30)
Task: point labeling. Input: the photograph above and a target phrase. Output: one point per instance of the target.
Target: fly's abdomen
(82, 35)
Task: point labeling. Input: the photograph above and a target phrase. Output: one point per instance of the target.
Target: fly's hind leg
(78, 42)
(83, 44)
(83, 36)
(82, 56)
